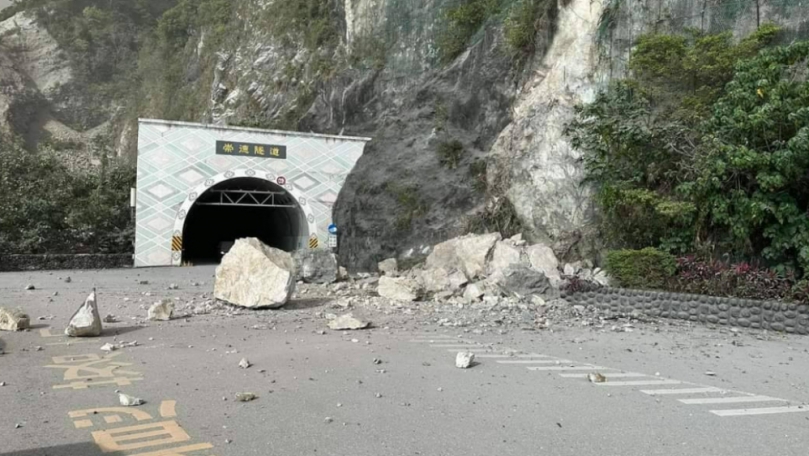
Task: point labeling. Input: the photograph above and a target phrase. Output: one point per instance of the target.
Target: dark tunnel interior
(239, 208)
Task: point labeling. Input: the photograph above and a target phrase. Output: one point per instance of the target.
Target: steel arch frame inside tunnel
(235, 205)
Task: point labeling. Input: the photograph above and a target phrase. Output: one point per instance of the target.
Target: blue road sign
(333, 228)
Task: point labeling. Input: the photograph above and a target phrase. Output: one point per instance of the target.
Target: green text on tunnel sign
(250, 150)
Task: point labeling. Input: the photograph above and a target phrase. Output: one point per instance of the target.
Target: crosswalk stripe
(661, 392)
(439, 341)
(561, 368)
(456, 346)
(729, 400)
(762, 411)
(608, 375)
(641, 383)
(494, 355)
(535, 361)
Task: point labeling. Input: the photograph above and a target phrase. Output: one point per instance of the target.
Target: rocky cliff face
(40, 101)
(467, 143)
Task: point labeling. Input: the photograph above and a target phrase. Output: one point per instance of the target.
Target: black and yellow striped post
(177, 244)
(313, 242)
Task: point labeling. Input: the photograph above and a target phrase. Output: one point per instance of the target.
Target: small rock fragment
(174, 286)
(110, 318)
(30, 286)
(246, 397)
(348, 321)
(108, 347)
(86, 322)
(329, 419)
(244, 363)
(130, 401)
(13, 320)
(377, 361)
(161, 311)
(710, 373)
(68, 279)
(463, 360)
(596, 377)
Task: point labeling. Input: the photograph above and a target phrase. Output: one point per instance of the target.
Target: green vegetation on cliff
(704, 148)
(47, 208)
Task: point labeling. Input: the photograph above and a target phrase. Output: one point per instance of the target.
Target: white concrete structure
(200, 187)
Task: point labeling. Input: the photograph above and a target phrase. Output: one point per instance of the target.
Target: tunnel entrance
(238, 208)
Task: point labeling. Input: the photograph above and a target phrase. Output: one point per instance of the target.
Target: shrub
(703, 147)
(738, 280)
(47, 208)
(477, 171)
(411, 206)
(450, 153)
(646, 268)
(526, 22)
(499, 216)
(461, 23)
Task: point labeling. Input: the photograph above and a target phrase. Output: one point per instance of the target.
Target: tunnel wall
(178, 161)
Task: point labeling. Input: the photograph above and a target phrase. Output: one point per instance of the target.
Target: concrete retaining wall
(747, 313)
(54, 262)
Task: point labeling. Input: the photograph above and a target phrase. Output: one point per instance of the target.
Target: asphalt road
(323, 394)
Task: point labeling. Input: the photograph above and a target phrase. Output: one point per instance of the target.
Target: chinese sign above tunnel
(250, 150)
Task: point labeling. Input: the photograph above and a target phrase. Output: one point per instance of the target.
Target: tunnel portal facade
(201, 187)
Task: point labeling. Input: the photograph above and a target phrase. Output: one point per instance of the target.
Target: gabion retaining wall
(747, 313)
(10, 263)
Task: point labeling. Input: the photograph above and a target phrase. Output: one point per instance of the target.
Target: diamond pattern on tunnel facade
(174, 159)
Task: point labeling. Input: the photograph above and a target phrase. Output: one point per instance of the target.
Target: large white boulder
(467, 254)
(523, 281)
(86, 322)
(544, 260)
(504, 255)
(254, 275)
(389, 267)
(398, 289)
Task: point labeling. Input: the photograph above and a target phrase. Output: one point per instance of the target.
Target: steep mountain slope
(466, 99)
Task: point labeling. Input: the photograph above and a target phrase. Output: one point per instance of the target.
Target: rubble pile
(480, 281)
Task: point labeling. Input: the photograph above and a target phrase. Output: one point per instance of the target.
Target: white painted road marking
(561, 368)
(730, 400)
(459, 346)
(608, 375)
(762, 411)
(506, 355)
(439, 341)
(536, 361)
(492, 355)
(661, 392)
(641, 383)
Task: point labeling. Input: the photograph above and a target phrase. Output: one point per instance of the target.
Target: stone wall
(56, 262)
(746, 313)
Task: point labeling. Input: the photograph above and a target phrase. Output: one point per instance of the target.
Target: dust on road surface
(671, 388)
